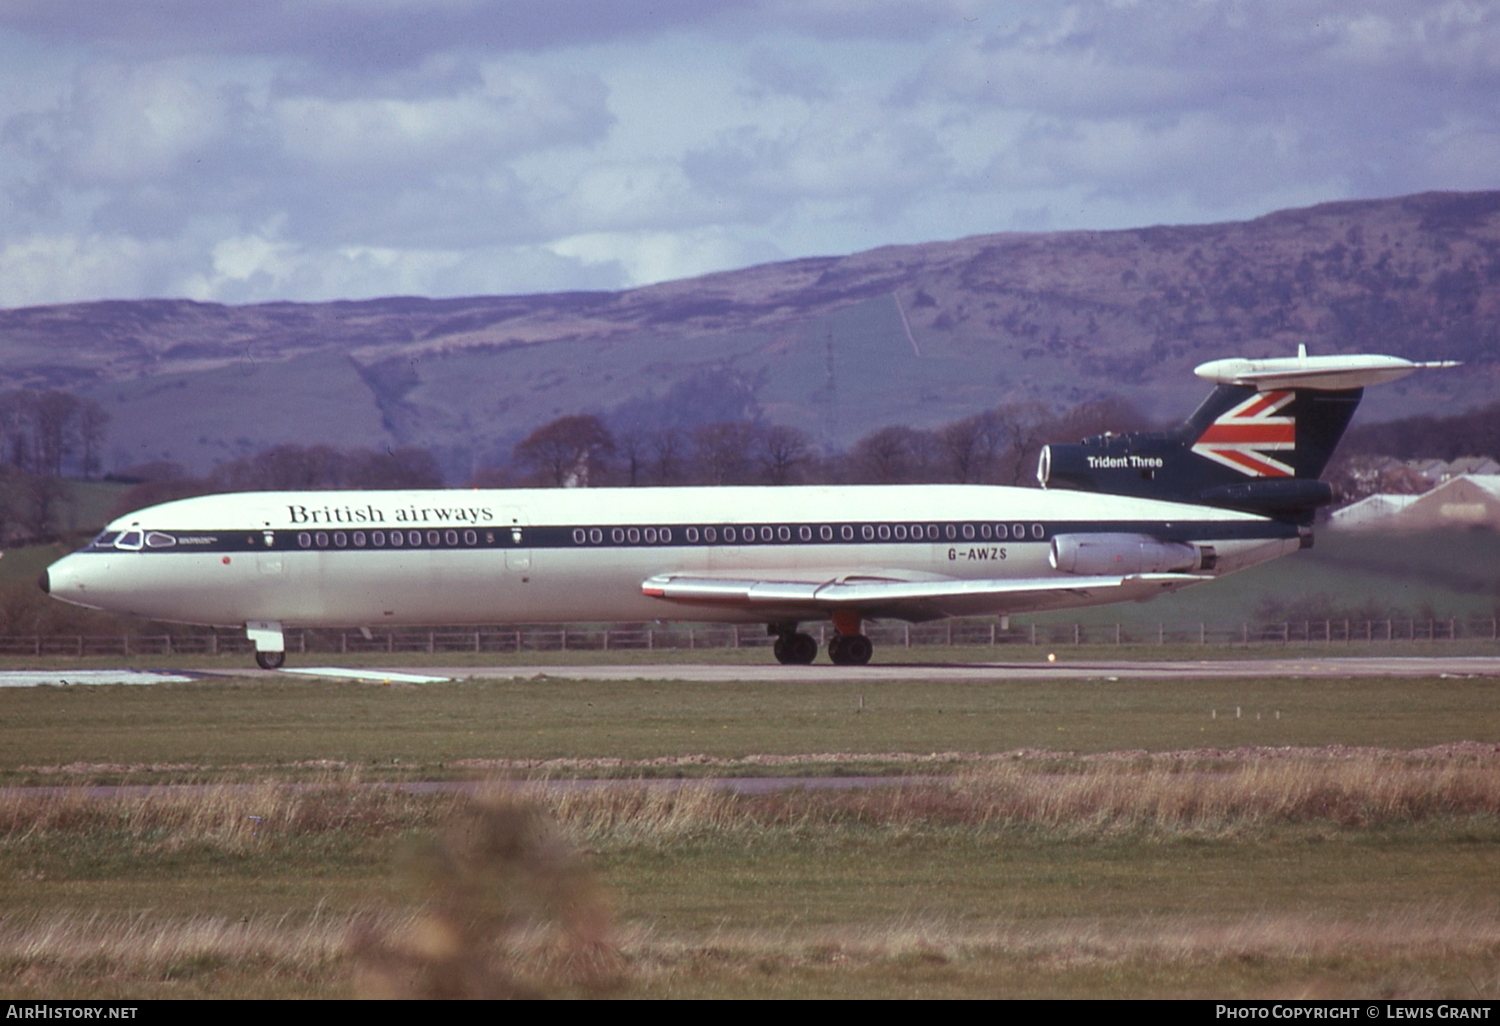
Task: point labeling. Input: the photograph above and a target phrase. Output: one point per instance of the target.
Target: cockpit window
(129, 540)
(157, 540)
(106, 540)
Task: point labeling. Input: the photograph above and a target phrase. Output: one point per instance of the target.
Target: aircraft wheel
(858, 650)
(836, 650)
(270, 660)
(850, 649)
(802, 649)
(795, 649)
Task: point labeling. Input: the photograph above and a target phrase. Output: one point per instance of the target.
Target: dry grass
(1173, 794)
(500, 902)
(223, 817)
(425, 954)
(1192, 792)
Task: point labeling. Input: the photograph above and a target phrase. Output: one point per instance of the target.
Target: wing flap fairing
(915, 600)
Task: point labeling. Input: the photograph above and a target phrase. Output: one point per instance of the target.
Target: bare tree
(568, 450)
(667, 447)
(406, 467)
(92, 422)
(17, 420)
(283, 467)
(54, 418)
(44, 500)
(1098, 416)
(892, 455)
(784, 453)
(721, 451)
(633, 449)
(969, 447)
(1025, 425)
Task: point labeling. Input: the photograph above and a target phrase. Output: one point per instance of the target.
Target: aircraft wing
(794, 596)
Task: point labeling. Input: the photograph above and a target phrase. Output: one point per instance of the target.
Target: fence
(637, 637)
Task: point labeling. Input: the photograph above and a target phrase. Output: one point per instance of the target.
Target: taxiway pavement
(1371, 666)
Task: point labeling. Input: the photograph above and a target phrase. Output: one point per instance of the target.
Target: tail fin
(1258, 442)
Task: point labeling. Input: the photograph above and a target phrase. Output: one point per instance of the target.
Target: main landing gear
(792, 647)
(848, 647)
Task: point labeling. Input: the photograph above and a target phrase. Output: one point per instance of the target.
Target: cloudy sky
(248, 150)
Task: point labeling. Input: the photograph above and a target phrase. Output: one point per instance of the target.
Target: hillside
(837, 346)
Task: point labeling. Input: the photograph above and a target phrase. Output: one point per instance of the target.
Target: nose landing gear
(270, 644)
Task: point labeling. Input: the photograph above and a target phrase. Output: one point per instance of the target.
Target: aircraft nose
(44, 582)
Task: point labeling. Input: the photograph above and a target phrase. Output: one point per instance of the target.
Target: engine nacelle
(1119, 554)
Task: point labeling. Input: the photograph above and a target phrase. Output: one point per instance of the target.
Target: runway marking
(378, 676)
(1456, 666)
(54, 678)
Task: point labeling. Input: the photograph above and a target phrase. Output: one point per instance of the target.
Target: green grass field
(1243, 867)
(275, 726)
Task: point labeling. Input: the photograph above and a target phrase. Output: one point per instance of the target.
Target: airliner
(1118, 517)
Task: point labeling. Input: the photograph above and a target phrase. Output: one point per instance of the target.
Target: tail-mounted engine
(1122, 554)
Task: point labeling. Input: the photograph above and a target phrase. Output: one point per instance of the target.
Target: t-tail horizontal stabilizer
(1258, 442)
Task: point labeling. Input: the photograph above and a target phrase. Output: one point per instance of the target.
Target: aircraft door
(267, 559)
(512, 520)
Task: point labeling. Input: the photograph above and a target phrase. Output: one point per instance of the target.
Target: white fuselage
(516, 556)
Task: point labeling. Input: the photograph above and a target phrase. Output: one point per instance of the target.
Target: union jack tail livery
(1258, 443)
(1244, 437)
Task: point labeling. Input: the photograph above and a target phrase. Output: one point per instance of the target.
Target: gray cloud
(345, 147)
